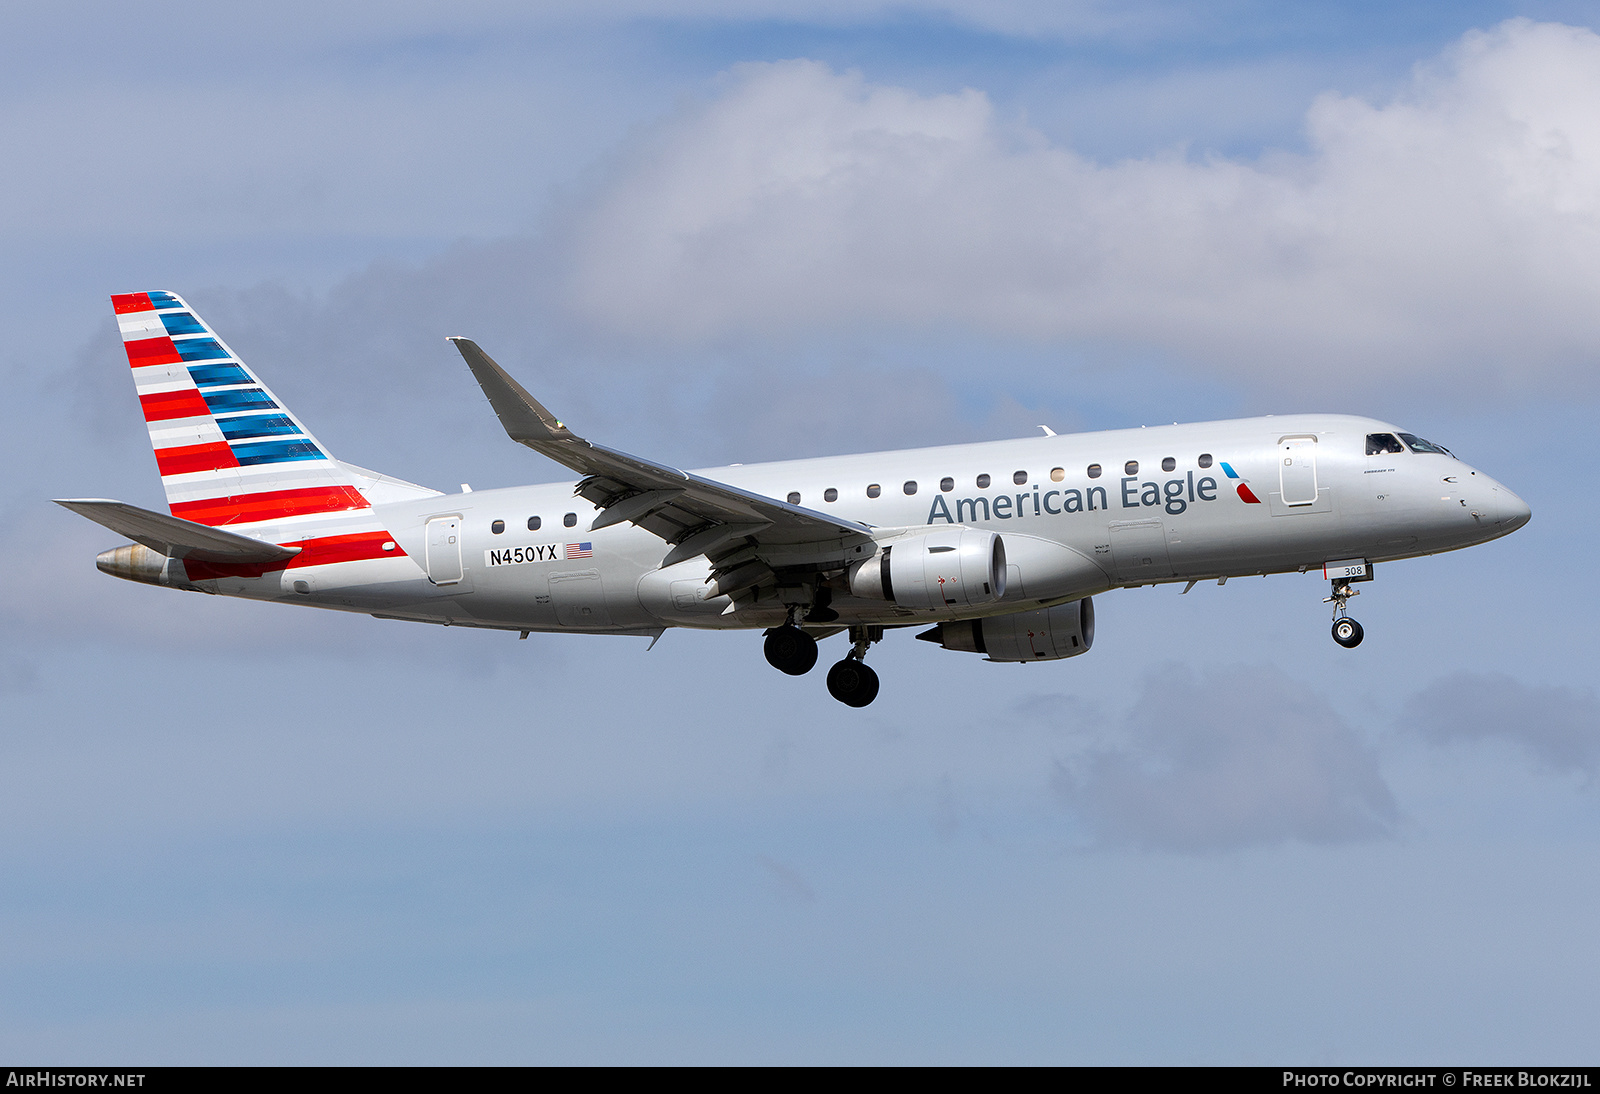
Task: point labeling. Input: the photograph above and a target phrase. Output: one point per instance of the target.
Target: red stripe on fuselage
(152, 351)
(270, 505)
(131, 301)
(195, 457)
(351, 548)
(164, 405)
(357, 547)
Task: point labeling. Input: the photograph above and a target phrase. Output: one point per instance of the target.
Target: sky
(712, 231)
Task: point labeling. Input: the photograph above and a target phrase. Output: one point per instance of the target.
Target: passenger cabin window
(983, 482)
(1169, 464)
(1131, 467)
(497, 527)
(1417, 444)
(534, 524)
(1020, 478)
(1057, 474)
(570, 520)
(1205, 459)
(910, 487)
(1094, 471)
(874, 490)
(947, 484)
(794, 497)
(1380, 443)
(830, 494)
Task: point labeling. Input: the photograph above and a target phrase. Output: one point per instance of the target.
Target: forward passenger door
(1297, 470)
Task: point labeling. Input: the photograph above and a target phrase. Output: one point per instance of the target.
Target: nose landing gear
(1346, 631)
(851, 681)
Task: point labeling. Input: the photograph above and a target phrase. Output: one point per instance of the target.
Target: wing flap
(174, 536)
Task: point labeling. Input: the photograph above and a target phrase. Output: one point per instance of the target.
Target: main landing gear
(790, 649)
(1346, 631)
(851, 681)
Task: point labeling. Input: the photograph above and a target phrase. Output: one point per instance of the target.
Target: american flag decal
(580, 550)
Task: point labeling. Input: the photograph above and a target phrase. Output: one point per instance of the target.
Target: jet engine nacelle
(1043, 634)
(939, 569)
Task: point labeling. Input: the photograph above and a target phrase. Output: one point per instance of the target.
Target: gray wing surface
(693, 514)
(174, 536)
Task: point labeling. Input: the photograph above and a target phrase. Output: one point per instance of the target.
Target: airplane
(996, 548)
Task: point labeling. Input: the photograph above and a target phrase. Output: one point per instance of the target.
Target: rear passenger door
(444, 550)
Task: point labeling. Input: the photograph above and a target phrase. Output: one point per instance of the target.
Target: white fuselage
(1318, 497)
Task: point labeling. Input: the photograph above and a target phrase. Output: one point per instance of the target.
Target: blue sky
(714, 232)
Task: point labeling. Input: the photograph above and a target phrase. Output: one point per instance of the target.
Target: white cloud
(1449, 233)
(1558, 726)
(1244, 756)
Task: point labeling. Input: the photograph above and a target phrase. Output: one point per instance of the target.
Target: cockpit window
(1379, 443)
(1417, 444)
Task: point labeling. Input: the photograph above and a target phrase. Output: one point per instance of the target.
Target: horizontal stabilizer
(175, 537)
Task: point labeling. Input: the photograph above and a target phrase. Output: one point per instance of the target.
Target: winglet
(524, 417)
(704, 514)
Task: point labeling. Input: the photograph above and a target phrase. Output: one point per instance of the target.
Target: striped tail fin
(229, 452)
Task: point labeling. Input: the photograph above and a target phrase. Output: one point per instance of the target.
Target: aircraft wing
(174, 536)
(695, 514)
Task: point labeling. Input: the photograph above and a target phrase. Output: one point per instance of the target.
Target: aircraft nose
(1514, 512)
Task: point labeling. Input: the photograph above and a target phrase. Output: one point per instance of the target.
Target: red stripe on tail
(270, 505)
(151, 351)
(195, 457)
(131, 301)
(164, 405)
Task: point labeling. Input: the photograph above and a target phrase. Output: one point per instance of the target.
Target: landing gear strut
(851, 681)
(1346, 631)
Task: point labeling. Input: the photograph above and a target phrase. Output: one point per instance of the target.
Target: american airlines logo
(1246, 495)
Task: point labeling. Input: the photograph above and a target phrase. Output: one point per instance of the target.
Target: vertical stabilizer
(229, 452)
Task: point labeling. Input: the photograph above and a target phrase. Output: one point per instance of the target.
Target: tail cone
(133, 562)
